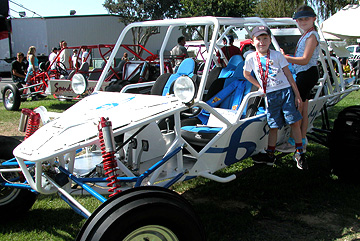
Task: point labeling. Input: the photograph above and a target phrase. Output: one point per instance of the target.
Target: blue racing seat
(230, 96)
(163, 85)
(234, 88)
(230, 68)
(164, 82)
(226, 72)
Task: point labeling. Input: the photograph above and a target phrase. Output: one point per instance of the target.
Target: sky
(47, 8)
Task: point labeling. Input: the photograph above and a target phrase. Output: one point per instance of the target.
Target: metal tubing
(83, 185)
(99, 179)
(217, 178)
(174, 180)
(76, 209)
(17, 185)
(68, 196)
(156, 166)
(13, 162)
(10, 170)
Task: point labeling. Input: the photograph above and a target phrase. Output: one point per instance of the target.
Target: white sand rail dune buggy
(134, 147)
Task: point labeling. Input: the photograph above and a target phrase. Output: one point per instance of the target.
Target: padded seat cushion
(199, 135)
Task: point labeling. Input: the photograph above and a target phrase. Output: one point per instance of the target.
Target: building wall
(84, 30)
(29, 32)
(46, 33)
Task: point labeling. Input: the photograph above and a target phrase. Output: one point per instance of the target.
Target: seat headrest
(186, 67)
(230, 68)
(234, 61)
(84, 67)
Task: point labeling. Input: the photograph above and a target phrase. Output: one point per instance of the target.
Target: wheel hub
(9, 98)
(152, 233)
(7, 194)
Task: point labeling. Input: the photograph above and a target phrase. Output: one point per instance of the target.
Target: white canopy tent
(344, 23)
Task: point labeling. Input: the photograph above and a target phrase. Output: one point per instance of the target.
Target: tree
(277, 8)
(223, 8)
(130, 11)
(287, 8)
(326, 8)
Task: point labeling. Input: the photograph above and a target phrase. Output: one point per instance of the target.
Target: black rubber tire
(142, 207)
(344, 143)
(11, 97)
(13, 202)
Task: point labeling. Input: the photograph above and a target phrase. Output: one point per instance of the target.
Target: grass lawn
(263, 203)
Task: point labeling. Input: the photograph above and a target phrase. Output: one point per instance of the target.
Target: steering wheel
(61, 68)
(194, 112)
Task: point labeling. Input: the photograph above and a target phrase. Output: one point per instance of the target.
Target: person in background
(33, 64)
(228, 50)
(18, 69)
(283, 98)
(85, 57)
(52, 58)
(125, 57)
(75, 59)
(305, 66)
(64, 56)
(250, 50)
(179, 52)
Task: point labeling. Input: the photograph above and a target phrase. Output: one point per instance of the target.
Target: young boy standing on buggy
(282, 96)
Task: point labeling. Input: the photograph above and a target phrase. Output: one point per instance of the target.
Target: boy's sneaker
(264, 158)
(301, 162)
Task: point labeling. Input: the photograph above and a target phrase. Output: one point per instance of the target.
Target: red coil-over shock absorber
(108, 154)
(29, 121)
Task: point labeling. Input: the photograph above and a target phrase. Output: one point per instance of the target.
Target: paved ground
(3, 82)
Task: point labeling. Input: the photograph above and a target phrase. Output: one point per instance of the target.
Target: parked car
(354, 51)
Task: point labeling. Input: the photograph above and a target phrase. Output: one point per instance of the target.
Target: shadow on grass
(263, 203)
(44, 224)
(62, 105)
(279, 203)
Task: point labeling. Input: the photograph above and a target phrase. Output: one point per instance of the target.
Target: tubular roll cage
(336, 94)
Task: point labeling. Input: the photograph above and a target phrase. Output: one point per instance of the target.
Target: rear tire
(11, 97)
(145, 213)
(13, 202)
(344, 144)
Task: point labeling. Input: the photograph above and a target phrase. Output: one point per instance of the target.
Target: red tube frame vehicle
(74, 83)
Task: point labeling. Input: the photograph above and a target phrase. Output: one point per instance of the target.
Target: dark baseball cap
(258, 30)
(304, 14)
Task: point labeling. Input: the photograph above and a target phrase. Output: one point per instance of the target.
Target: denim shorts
(281, 108)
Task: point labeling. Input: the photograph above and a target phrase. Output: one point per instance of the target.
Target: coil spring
(110, 167)
(33, 124)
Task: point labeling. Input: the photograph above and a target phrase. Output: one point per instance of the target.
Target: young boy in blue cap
(283, 99)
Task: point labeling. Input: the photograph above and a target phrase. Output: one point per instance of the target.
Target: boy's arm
(252, 80)
(291, 80)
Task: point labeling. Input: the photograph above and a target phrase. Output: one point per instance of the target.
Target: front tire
(11, 97)
(144, 213)
(344, 144)
(13, 202)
